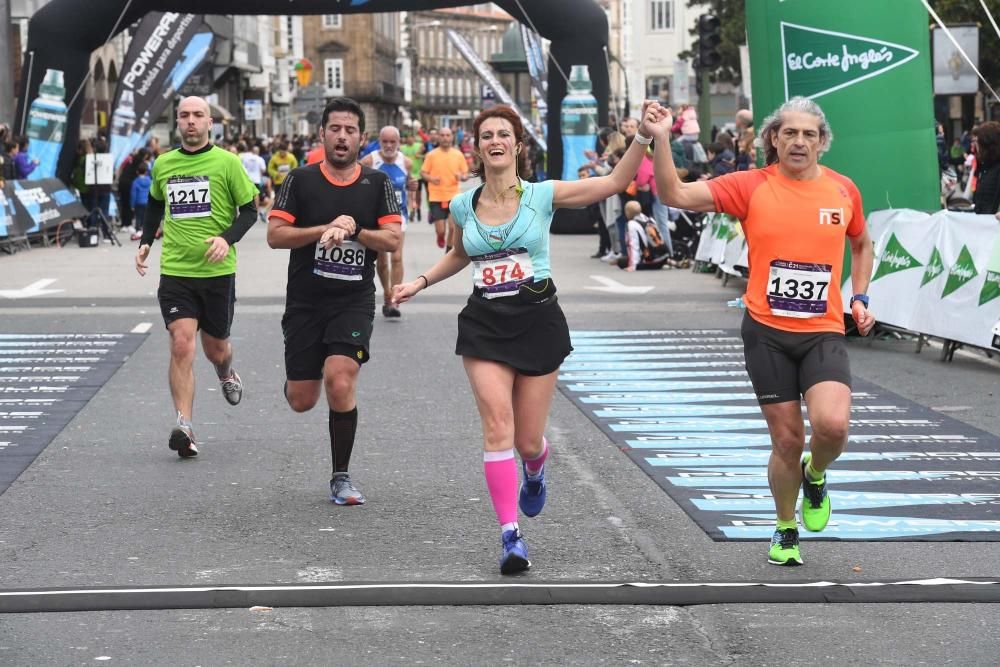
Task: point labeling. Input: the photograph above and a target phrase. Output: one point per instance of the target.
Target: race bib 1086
(189, 197)
(798, 289)
(502, 273)
(340, 262)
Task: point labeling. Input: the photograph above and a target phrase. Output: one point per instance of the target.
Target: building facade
(445, 88)
(355, 55)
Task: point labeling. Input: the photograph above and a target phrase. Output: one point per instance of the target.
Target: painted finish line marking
(981, 590)
(689, 419)
(33, 367)
(938, 581)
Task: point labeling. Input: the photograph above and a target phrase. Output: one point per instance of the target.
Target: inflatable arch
(61, 35)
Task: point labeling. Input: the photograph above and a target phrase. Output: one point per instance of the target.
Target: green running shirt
(201, 192)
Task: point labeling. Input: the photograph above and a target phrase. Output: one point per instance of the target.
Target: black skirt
(527, 331)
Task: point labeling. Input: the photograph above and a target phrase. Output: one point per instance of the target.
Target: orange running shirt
(795, 235)
(444, 165)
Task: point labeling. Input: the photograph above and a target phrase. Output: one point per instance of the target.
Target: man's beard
(193, 139)
(350, 157)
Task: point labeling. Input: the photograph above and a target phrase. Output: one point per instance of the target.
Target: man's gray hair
(772, 124)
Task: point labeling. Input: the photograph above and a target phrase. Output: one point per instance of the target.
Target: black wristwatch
(357, 233)
(863, 298)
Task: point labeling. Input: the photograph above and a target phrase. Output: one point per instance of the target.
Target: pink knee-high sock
(534, 466)
(501, 480)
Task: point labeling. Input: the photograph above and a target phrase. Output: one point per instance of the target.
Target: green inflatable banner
(867, 64)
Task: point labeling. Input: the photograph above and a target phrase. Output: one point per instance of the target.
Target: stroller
(685, 237)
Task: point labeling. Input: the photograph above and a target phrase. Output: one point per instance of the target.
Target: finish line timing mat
(45, 379)
(679, 403)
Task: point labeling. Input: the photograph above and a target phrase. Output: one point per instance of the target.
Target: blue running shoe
(515, 553)
(531, 498)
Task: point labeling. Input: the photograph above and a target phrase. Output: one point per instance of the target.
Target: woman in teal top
(512, 334)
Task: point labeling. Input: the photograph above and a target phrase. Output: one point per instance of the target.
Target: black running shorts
(211, 301)
(438, 211)
(783, 364)
(312, 333)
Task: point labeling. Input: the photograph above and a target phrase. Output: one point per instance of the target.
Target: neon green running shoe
(815, 501)
(785, 548)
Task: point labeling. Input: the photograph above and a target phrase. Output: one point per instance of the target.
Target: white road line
(142, 327)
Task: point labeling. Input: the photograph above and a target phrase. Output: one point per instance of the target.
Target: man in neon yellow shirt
(207, 203)
(281, 163)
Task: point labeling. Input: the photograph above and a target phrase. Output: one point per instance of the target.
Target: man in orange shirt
(443, 168)
(796, 215)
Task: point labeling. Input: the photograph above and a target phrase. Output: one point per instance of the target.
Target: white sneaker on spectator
(612, 258)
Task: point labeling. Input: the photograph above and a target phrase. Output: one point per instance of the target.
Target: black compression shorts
(783, 364)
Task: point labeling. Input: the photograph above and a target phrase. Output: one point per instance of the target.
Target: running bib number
(189, 197)
(798, 289)
(340, 262)
(503, 272)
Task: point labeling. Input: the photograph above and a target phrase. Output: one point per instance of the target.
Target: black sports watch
(863, 298)
(358, 228)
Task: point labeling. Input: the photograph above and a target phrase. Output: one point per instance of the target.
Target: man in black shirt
(335, 217)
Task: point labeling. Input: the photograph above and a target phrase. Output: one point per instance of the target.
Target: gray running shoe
(343, 492)
(182, 441)
(389, 310)
(232, 387)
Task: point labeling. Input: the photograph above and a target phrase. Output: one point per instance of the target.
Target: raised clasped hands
(656, 121)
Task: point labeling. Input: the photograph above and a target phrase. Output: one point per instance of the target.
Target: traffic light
(709, 37)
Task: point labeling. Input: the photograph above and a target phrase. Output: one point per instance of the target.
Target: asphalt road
(108, 505)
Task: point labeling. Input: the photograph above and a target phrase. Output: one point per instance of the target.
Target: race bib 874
(798, 289)
(502, 273)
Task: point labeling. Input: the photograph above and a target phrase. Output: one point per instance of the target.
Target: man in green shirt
(413, 148)
(207, 203)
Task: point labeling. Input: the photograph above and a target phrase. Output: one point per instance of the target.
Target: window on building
(333, 76)
(423, 86)
(434, 87)
(661, 15)
(331, 21)
(451, 87)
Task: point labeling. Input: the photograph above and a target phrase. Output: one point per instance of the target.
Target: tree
(964, 11)
(733, 21)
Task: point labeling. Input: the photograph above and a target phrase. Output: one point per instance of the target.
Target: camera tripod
(103, 225)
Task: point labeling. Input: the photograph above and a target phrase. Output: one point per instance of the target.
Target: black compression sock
(343, 426)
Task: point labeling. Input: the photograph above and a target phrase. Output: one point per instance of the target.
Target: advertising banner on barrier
(166, 49)
(936, 274)
(31, 206)
(722, 243)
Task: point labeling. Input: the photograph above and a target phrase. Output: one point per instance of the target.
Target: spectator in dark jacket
(987, 195)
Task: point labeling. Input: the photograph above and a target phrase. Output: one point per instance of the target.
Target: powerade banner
(680, 405)
(486, 74)
(62, 37)
(868, 65)
(27, 207)
(936, 274)
(166, 49)
(36, 205)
